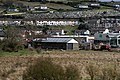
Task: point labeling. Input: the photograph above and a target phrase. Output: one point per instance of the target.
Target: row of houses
(41, 22)
(39, 8)
(106, 22)
(88, 6)
(99, 25)
(95, 25)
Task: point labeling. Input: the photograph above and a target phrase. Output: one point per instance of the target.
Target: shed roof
(58, 40)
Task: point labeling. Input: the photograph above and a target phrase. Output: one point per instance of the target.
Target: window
(113, 41)
(118, 41)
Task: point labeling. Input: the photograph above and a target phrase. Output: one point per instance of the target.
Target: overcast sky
(109, 0)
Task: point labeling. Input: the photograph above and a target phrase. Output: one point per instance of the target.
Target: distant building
(56, 32)
(43, 7)
(79, 38)
(2, 34)
(82, 6)
(110, 38)
(94, 5)
(56, 22)
(40, 22)
(13, 10)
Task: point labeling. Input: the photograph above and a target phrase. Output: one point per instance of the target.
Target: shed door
(70, 46)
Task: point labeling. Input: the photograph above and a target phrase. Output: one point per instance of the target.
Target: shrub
(8, 45)
(92, 71)
(12, 40)
(110, 73)
(72, 73)
(45, 69)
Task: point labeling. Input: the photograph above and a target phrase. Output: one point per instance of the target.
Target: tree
(12, 40)
(83, 26)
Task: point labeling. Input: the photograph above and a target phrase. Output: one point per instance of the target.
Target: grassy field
(58, 6)
(13, 64)
(49, 5)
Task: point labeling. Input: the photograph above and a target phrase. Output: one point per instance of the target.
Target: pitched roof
(57, 40)
(2, 33)
(114, 34)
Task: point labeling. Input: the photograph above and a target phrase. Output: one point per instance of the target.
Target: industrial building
(113, 39)
(56, 43)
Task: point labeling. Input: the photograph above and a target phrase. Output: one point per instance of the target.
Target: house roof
(57, 40)
(114, 34)
(2, 33)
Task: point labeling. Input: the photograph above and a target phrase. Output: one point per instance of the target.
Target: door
(70, 46)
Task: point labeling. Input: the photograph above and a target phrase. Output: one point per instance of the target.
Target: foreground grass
(19, 53)
(28, 52)
(12, 65)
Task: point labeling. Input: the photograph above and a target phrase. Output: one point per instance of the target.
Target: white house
(13, 10)
(43, 7)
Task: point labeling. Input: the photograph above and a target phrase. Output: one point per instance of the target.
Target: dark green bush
(72, 73)
(12, 40)
(45, 69)
(10, 46)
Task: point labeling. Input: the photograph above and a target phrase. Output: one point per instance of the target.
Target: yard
(13, 64)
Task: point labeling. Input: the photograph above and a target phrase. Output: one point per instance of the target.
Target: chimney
(62, 32)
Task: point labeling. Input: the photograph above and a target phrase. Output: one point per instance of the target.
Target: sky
(108, 0)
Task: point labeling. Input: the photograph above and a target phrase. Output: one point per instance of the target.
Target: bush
(10, 46)
(72, 73)
(110, 73)
(12, 41)
(92, 70)
(45, 69)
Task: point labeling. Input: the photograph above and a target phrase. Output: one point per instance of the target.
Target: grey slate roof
(114, 34)
(2, 33)
(55, 40)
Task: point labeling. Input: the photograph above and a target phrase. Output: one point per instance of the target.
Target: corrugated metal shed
(56, 43)
(57, 40)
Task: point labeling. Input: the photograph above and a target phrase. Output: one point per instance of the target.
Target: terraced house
(41, 22)
(56, 22)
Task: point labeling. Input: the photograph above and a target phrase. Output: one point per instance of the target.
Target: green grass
(105, 7)
(29, 3)
(59, 6)
(19, 53)
(14, 13)
(50, 5)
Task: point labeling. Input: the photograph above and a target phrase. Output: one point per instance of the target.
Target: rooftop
(57, 40)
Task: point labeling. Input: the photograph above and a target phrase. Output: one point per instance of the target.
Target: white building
(56, 22)
(85, 37)
(50, 22)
